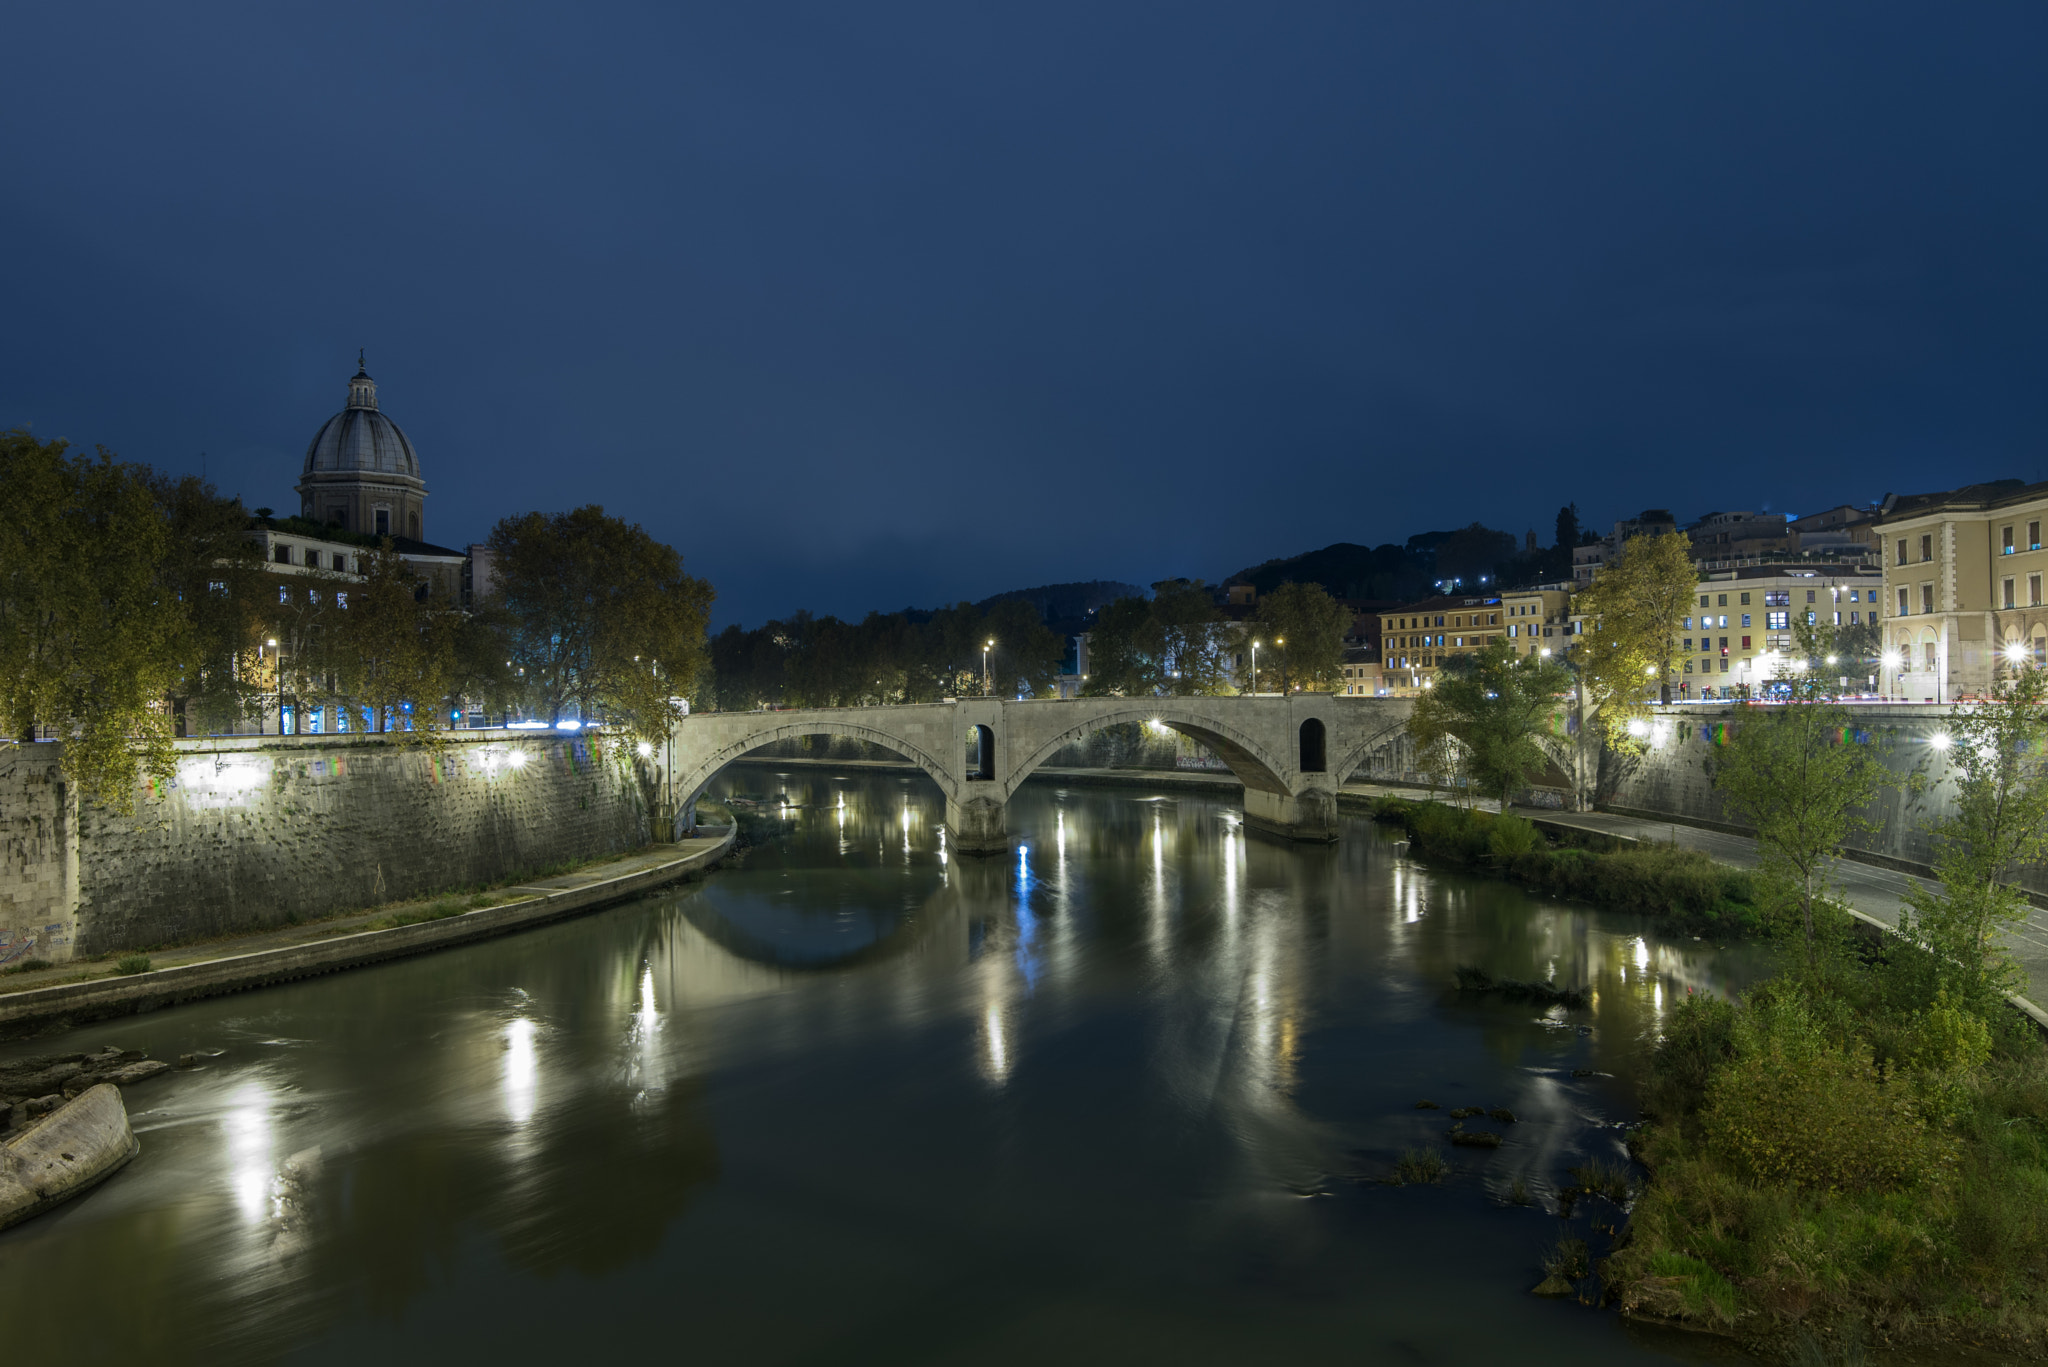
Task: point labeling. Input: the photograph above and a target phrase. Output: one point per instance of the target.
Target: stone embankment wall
(1674, 776)
(260, 831)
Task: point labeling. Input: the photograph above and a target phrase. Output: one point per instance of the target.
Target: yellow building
(1963, 598)
(1537, 620)
(1740, 636)
(1416, 638)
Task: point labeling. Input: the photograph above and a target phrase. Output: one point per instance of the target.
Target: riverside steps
(60, 997)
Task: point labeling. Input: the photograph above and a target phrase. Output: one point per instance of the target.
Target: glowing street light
(1940, 741)
(986, 647)
(1255, 668)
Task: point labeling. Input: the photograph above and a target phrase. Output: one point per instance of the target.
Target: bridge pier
(1310, 815)
(977, 825)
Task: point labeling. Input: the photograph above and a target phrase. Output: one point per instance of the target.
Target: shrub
(1511, 837)
(131, 964)
(1420, 1166)
(1704, 1293)
(1699, 1037)
(1796, 1109)
(25, 966)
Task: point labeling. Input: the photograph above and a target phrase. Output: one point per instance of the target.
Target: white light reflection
(249, 1140)
(995, 1050)
(522, 1071)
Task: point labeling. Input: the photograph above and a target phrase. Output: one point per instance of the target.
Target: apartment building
(1739, 636)
(1417, 638)
(1963, 587)
(1538, 620)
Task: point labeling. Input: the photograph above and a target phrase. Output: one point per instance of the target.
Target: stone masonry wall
(259, 831)
(1673, 777)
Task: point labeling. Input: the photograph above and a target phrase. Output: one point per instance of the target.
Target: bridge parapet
(1290, 752)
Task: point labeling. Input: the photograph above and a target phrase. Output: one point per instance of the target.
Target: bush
(1797, 1109)
(1699, 1037)
(130, 964)
(25, 966)
(1511, 837)
(1420, 1166)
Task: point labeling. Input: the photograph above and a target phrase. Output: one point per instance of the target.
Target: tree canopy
(601, 616)
(1302, 630)
(1495, 706)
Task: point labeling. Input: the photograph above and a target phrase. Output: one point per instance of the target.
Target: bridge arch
(1253, 764)
(1314, 746)
(1390, 735)
(691, 781)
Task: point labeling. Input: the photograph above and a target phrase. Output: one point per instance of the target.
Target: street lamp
(277, 671)
(1891, 661)
(1255, 668)
(1281, 641)
(986, 647)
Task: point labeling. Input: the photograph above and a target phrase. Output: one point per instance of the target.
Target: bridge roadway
(1291, 752)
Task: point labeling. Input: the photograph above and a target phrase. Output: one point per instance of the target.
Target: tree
(1799, 776)
(1026, 656)
(1194, 645)
(1124, 649)
(603, 617)
(91, 637)
(1634, 607)
(1998, 755)
(215, 571)
(392, 645)
(1494, 705)
(1568, 526)
(1304, 627)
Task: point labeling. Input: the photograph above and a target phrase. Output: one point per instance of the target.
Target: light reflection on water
(1131, 1080)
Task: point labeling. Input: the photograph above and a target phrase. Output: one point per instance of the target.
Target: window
(341, 600)
(1745, 616)
(284, 594)
(2005, 546)
(1852, 596)
(281, 554)
(1493, 619)
(1902, 550)
(1688, 644)
(1724, 619)
(1927, 598)
(1811, 618)
(1724, 645)
(1927, 546)
(383, 522)
(1703, 600)
(1930, 654)
(1722, 600)
(1688, 666)
(1856, 618)
(2033, 536)
(1809, 595)
(1778, 598)
(2034, 590)
(2006, 587)
(1777, 621)
(1745, 643)
(1745, 600)
(1902, 602)
(219, 589)
(1724, 664)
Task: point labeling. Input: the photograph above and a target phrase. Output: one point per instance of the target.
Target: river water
(1124, 1096)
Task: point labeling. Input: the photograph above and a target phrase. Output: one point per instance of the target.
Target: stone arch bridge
(1290, 752)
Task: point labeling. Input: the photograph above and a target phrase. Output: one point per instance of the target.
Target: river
(1124, 1096)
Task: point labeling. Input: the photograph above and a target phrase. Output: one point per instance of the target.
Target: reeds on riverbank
(1684, 888)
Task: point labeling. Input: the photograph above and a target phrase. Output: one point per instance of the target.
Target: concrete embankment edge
(69, 1004)
(84, 1142)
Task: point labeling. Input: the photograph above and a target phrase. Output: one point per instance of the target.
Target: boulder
(82, 1143)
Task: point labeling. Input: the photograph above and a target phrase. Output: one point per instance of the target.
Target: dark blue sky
(861, 305)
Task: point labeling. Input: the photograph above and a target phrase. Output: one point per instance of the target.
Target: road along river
(1125, 1095)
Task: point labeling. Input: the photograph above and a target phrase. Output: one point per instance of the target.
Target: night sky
(875, 304)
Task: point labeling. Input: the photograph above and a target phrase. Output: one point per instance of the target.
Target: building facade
(1537, 620)
(1963, 590)
(1416, 639)
(1741, 635)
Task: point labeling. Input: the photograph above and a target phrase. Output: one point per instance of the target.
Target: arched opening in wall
(1312, 745)
(412, 522)
(981, 753)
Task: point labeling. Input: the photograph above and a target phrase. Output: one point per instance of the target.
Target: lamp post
(277, 673)
(1891, 661)
(1255, 669)
(986, 647)
(1281, 641)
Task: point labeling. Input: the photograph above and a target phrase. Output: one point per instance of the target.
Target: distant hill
(1347, 570)
(1066, 602)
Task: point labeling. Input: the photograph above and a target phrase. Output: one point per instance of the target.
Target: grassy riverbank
(1831, 1163)
(1682, 888)
(1844, 1157)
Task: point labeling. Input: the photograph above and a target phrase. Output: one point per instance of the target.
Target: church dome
(360, 438)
